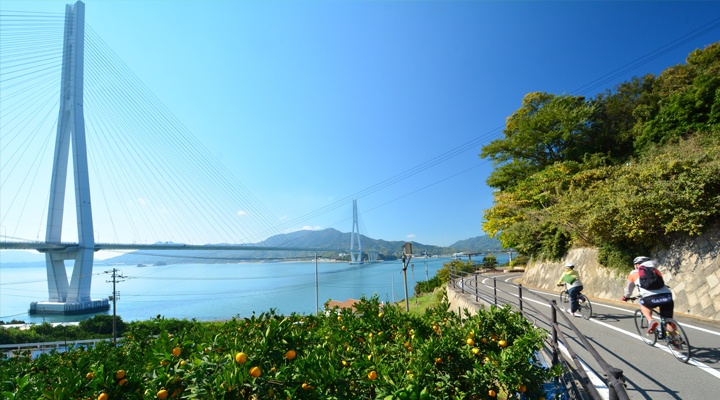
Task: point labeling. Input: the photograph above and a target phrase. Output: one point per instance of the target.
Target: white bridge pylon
(355, 255)
(75, 297)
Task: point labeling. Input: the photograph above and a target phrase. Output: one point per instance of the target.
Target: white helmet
(650, 264)
(640, 260)
(569, 265)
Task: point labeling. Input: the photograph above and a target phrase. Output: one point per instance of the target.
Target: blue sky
(309, 102)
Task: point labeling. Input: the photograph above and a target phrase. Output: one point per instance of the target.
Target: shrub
(102, 324)
(367, 355)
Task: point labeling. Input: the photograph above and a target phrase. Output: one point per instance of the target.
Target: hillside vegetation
(625, 171)
(322, 239)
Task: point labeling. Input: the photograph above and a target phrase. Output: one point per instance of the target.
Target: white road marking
(692, 361)
(601, 387)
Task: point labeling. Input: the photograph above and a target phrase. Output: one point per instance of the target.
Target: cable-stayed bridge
(154, 179)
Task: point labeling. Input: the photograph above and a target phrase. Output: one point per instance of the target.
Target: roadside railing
(615, 380)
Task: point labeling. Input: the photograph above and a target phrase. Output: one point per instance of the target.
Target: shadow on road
(647, 393)
(704, 354)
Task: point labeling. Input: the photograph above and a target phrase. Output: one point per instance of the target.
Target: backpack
(650, 278)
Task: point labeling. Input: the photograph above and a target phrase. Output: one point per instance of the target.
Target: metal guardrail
(614, 376)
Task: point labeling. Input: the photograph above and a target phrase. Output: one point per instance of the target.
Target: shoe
(652, 327)
(675, 345)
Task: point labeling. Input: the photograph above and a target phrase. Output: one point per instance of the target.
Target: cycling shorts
(664, 301)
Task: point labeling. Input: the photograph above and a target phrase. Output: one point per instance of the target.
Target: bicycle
(583, 302)
(683, 350)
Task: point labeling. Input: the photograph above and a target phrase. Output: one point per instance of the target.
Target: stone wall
(690, 267)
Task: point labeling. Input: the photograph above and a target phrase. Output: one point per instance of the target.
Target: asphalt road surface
(650, 372)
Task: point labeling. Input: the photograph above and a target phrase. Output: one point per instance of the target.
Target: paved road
(650, 372)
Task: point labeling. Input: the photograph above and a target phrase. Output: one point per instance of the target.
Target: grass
(420, 303)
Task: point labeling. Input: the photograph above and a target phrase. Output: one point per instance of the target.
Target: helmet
(569, 265)
(650, 264)
(640, 260)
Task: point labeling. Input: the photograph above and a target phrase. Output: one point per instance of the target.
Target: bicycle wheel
(682, 352)
(585, 307)
(565, 300)
(642, 327)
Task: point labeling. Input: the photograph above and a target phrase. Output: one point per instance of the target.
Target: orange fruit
(372, 375)
(471, 335)
(380, 315)
(475, 350)
(339, 318)
(492, 393)
(103, 396)
(176, 351)
(471, 342)
(239, 329)
(343, 327)
(241, 357)
(483, 340)
(345, 363)
(255, 372)
(290, 354)
(493, 336)
(487, 359)
(305, 386)
(369, 357)
(90, 375)
(161, 394)
(502, 343)
(164, 362)
(120, 374)
(522, 389)
(438, 360)
(123, 382)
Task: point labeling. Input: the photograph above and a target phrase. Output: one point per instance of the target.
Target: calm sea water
(220, 291)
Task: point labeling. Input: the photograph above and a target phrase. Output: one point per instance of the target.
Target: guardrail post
(618, 375)
(553, 312)
(476, 289)
(521, 301)
(462, 284)
(495, 289)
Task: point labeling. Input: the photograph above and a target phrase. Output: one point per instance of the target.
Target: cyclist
(575, 286)
(651, 297)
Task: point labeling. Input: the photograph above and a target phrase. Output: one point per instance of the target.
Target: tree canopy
(620, 171)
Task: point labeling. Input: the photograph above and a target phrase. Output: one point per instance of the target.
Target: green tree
(455, 265)
(102, 324)
(490, 261)
(547, 129)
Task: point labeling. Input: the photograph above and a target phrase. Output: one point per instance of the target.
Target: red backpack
(650, 278)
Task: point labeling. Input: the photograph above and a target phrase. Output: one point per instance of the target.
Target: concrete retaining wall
(462, 301)
(691, 268)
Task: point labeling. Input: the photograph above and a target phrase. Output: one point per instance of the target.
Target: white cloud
(141, 200)
(411, 235)
(241, 213)
(283, 217)
(317, 228)
(309, 228)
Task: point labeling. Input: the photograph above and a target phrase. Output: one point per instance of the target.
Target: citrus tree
(376, 353)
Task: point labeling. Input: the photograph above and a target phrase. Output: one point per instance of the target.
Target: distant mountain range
(321, 239)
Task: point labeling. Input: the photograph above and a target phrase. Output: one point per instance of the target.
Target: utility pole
(317, 306)
(115, 276)
(427, 277)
